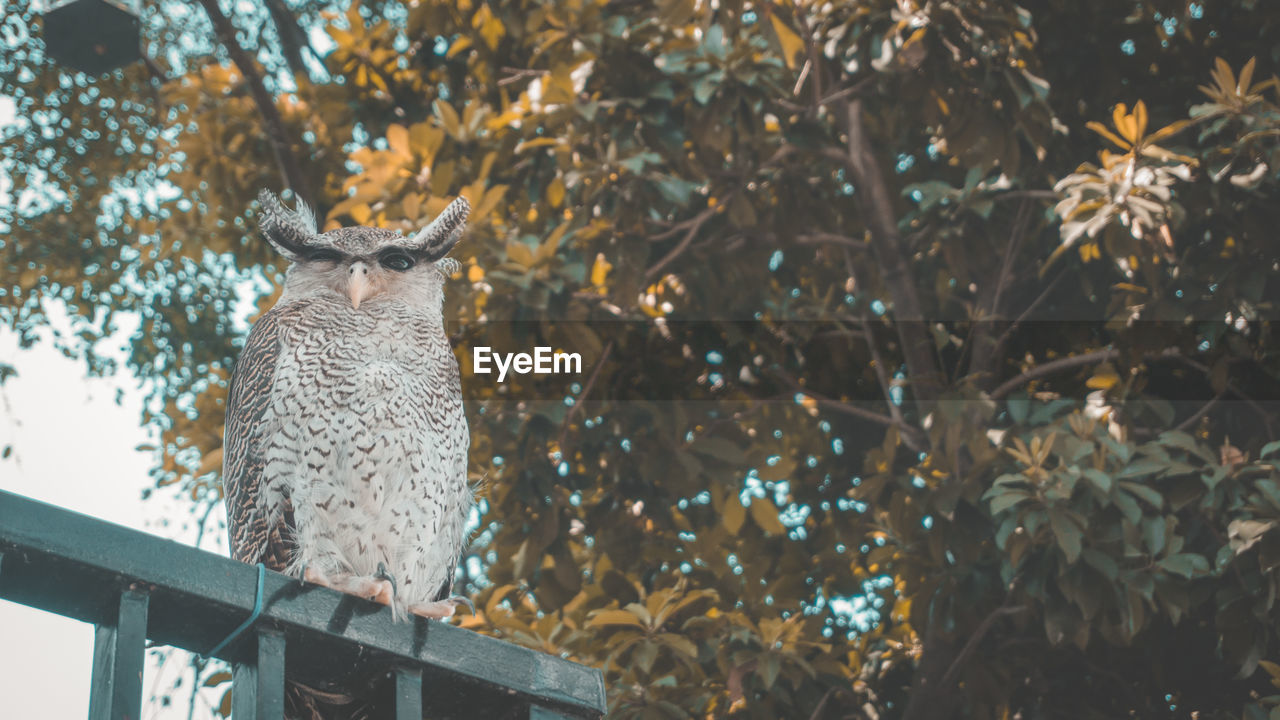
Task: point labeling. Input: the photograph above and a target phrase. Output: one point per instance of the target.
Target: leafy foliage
(855, 434)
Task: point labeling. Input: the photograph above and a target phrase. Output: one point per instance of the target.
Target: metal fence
(137, 588)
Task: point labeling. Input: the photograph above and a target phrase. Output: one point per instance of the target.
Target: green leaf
(1128, 507)
(1008, 499)
(1153, 531)
(1018, 407)
(1185, 564)
(1143, 467)
(1150, 495)
(1069, 535)
(1101, 562)
(770, 665)
(1098, 479)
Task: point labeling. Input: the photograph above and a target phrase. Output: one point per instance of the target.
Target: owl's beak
(358, 283)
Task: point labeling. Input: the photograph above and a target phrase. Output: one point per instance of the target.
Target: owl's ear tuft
(290, 232)
(437, 239)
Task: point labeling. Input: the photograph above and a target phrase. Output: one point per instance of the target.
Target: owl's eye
(396, 261)
(325, 256)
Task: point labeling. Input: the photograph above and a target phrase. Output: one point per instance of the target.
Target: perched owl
(346, 443)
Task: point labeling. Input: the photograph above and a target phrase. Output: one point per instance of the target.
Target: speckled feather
(346, 441)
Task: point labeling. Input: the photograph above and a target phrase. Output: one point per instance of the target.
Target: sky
(73, 446)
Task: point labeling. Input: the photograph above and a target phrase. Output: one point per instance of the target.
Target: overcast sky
(73, 446)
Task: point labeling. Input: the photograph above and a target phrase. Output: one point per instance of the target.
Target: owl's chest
(382, 352)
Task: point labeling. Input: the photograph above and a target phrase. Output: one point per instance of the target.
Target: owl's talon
(386, 575)
(315, 577)
(442, 609)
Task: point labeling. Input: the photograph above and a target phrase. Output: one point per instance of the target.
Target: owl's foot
(370, 588)
(442, 609)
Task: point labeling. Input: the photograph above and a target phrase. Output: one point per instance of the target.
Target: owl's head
(363, 264)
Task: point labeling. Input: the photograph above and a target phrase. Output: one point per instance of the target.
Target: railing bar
(270, 675)
(408, 693)
(119, 653)
(537, 712)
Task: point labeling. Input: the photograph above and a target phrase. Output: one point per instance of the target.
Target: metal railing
(136, 587)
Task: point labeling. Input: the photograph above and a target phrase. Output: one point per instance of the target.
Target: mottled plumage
(346, 443)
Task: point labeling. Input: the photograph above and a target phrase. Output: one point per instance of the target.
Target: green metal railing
(136, 587)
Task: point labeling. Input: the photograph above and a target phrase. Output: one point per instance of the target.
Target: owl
(345, 454)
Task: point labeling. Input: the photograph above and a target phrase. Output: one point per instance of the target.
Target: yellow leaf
(555, 192)
(614, 617)
(1246, 76)
(766, 516)
(462, 43)
(411, 205)
(448, 117)
(475, 273)
(1104, 379)
(1124, 122)
(360, 213)
(551, 245)
(1104, 132)
(1223, 75)
(211, 461)
(1168, 130)
(1272, 669)
(520, 253)
(790, 41)
(398, 139)
(734, 515)
(490, 27)
(600, 270)
(1130, 287)
(1140, 119)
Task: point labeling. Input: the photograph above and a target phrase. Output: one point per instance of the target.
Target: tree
(927, 346)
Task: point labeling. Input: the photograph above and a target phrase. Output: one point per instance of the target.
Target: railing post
(257, 690)
(270, 675)
(118, 653)
(408, 693)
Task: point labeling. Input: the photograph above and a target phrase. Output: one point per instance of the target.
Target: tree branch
(691, 227)
(1231, 387)
(831, 403)
(292, 39)
(582, 396)
(911, 435)
(984, 627)
(1051, 367)
(1044, 294)
(982, 343)
(825, 238)
(877, 209)
(1204, 409)
(277, 137)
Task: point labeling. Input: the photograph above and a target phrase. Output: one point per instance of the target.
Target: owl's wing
(253, 538)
